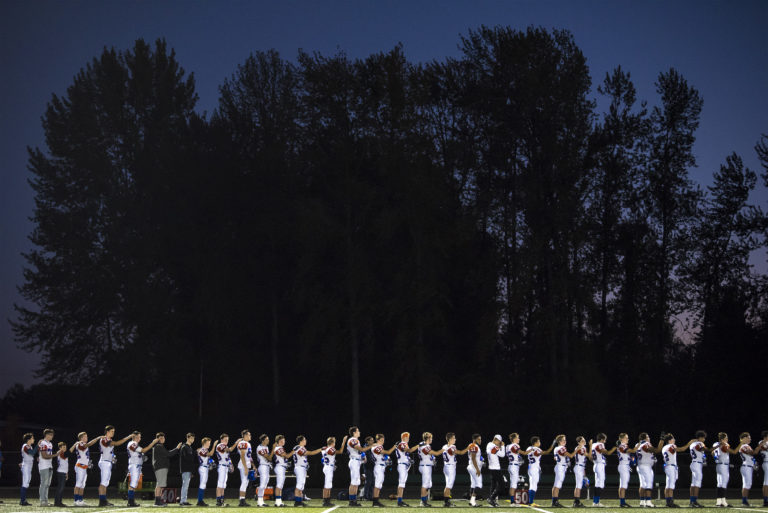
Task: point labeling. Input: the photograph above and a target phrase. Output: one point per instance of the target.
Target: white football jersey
(45, 447)
(534, 456)
(624, 457)
(223, 453)
(449, 455)
(598, 453)
(560, 457)
(474, 449)
(262, 452)
(135, 456)
(83, 455)
(202, 457)
(62, 462)
(402, 453)
(720, 453)
(378, 455)
(697, 452)
(513, 454)
(669, 452)
(105, 446)
(747, 460)
(280, 458)
(329, 456)
(580, 456)
(493, 453)
(245, 446)
(643, 457)
(27, 458)
(300, 456)
(424, 457)
(354, 454)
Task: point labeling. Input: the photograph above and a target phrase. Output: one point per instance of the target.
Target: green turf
(612, 507)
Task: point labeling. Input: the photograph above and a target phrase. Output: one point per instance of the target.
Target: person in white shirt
(281, 466)
(762, 450)
(135, 464)
(203, 467)
(721, 452)
(28, 451)
(535, 453)
(562, 457)
(697, 467)
(328, 454)
(514, 461)
(426, 463)
(475, 468)
(380, 459)
(669, 456)
(62, 473)
(403, 451)
(355, 451)
(301, 467)
(598, 454)
(107, 447)
(82, 464)
(45, 464)
(264, 456)
(748, 464)
(245, 464)
(623, 450)
(580, 456)
(645, 460)
(449, 466)
(493, 451)
(224, 467)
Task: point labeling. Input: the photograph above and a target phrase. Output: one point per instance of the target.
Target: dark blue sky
(720, 47)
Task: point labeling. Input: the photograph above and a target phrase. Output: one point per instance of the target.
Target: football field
(612, 506)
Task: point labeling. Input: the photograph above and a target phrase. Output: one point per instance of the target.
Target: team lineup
(273, 455)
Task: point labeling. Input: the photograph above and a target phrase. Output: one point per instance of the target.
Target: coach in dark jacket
(187, 465)
(161, 462)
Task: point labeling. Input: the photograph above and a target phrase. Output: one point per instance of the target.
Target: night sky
(720, 47)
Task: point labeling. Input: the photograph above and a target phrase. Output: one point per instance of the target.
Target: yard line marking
(537, 509)
(749, 509)
(330, 509)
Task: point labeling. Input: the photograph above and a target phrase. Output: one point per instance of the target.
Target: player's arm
(436, 453)
(462, 452)
(92, 442)
(658, 447)
(608, 453)
(589, 451)
(316, 451)
(686, 446)
(733, 451)
(571, 454)
(288, 454)
(234, 445)
(390, 451)
(116, 443)
(46, 456)
(149, 447)
(548, 451)
(412, 449)
(343, 443)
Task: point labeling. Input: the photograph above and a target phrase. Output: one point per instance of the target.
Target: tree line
(460, 242)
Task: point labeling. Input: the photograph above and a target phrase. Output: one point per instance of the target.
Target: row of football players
(277, 453)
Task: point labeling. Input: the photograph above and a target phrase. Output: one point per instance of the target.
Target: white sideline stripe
(537, 509)
(749, 509)
(330, 509)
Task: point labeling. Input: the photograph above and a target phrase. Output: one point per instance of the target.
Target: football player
(107, 447)
(355, 452)
(28, 450)
(380, 456)
(494, 450)
(245, 465)
(514, 460)
(135, 463)
(721, 451)
(669, 454)
(624, 451)
(426, 462)
(403, 452)
(747, 465)
(264, 455)
(579, 469)
(223, 468)
(82, 464)
(598, 454)
(762, 449)
(697, 467)
(203, 455)
(449, 466)
(645, 460)
(475, 468)
(300, 468)
(281, 466)
(535, 453)
(561, 466)
(45, 458)
(328, 453)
